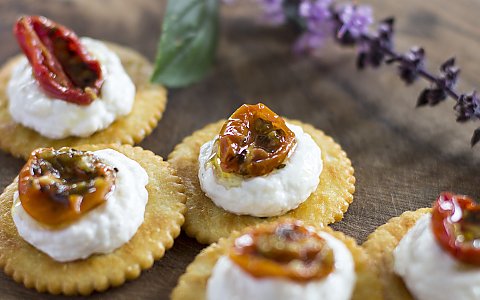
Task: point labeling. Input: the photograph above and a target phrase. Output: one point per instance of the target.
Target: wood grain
(403, 157)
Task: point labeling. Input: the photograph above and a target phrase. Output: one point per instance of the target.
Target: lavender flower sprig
(186, 38)
(349, 24)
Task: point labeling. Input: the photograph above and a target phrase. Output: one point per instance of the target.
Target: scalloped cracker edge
(162, 223)
(208, 223)
(192, 284)
(149, 105)
(380, 245)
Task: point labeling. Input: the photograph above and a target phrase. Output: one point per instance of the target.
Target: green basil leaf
(188, 42)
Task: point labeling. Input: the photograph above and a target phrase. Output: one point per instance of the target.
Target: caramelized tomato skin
(57, 187)
(456, 226)
(61, 65)
(285, 250)
(254, 141)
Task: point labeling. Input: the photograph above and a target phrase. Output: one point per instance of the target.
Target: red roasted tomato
(456, 226)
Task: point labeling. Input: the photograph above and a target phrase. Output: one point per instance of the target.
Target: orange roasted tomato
(57, 187)
(456, 226)
(254, 141)
(288, 250)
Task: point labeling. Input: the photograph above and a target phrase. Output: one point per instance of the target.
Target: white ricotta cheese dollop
(431, 273)
(103, 229)
(229, 281)
(272, 194)
(55, 118)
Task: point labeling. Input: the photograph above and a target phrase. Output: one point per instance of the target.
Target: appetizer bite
(68, 91)
(430, 253)
(256, 167)
(79, 220)
(284, 259)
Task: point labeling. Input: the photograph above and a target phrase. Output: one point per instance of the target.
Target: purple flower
(440, 87)
(372, 49)
(315, 13)
(273, 11)
(355, 19)
(317, 16)
(410, 64)
(467, 107)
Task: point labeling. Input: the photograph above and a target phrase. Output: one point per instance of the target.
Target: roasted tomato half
(254, 141)
(59, 186)
(288, 249)
(456, 226)
(61, 65)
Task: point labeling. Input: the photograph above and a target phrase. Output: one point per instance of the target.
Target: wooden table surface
(403, 157)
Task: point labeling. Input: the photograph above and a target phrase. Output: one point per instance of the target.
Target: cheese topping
(101, 230)
(269, 195)
(229, 281)
(431, 273)
(55, 118)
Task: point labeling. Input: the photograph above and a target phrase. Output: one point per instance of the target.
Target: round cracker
(149, 105)
(193, 283)
(380, 245)
(208, 223)
(162, 223)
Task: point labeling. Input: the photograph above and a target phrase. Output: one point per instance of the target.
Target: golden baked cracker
(192, 284)
(150, 102)
(208, 223)
(162, 223)
(380, 245)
